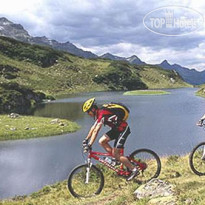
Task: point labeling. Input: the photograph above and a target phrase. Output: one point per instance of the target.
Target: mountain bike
(197, 158)
(87, 180)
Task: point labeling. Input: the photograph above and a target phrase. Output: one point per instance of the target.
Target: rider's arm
(91, 131)
(95, 132)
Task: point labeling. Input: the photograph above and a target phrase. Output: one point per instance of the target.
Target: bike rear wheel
(148, 162)
(85, 181)
(197, 159)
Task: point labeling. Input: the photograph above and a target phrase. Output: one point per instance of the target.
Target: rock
(55, 121)
(28, 128)
(160, 192)
(189, 201)
(62, 124)
(172, 80)
(14, 115)
(13, 129)
(175, 72)
(172, 174)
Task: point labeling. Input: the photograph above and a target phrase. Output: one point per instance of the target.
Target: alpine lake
(164, 123)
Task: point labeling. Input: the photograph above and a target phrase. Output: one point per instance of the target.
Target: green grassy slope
(189, 189)
(156, 77)
(25, 127)
(201, 91)
(146, 92)
(54, 72)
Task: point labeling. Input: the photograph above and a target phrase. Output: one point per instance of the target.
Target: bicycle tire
(152, 161)
(195, 160)
(78, 188)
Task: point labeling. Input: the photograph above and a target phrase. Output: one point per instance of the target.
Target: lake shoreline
(200, 92)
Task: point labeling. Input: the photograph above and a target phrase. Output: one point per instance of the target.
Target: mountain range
(190, 76)
(16, 31)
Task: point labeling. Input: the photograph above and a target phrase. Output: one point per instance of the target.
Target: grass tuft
(146, 92)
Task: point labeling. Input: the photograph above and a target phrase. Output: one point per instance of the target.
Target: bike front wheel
(197, 159)
(85, 181)
(148, 163)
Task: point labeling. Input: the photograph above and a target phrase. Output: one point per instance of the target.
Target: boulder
(14, 115)
(159, 192)
(55, 121)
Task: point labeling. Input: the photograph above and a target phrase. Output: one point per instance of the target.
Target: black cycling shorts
(119, 137)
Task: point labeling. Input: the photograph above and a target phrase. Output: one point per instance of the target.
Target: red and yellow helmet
(88, 104)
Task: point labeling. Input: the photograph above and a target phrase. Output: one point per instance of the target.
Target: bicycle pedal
(115, 163)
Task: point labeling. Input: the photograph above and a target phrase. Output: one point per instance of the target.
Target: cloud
(114, 26)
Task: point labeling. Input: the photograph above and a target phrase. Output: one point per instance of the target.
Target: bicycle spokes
(197, 159)
(147, 162)
(85, 181)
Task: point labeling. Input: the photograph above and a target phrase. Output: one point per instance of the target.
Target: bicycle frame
(120, 171)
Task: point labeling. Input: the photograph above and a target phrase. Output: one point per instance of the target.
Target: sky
(116, 26)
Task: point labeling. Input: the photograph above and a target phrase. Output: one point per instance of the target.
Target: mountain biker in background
(119, 131)
(200, 122)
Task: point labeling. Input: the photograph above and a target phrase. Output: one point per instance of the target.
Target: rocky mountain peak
(166, 65)
(133, 57)
(108, 54)
(112, 57)
(165, 62)
(135, 60)
(12, 30)
(16, 31)
(5, 21)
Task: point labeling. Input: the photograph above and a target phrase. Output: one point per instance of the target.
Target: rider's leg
(122, 159)
(119, 144)
(104, 143)
(115, 151)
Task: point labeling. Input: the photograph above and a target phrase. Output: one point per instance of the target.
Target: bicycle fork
(87, 176)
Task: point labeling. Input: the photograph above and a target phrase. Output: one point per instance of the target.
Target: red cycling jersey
(110, 119)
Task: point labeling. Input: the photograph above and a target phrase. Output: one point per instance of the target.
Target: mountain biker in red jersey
(119, 132)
